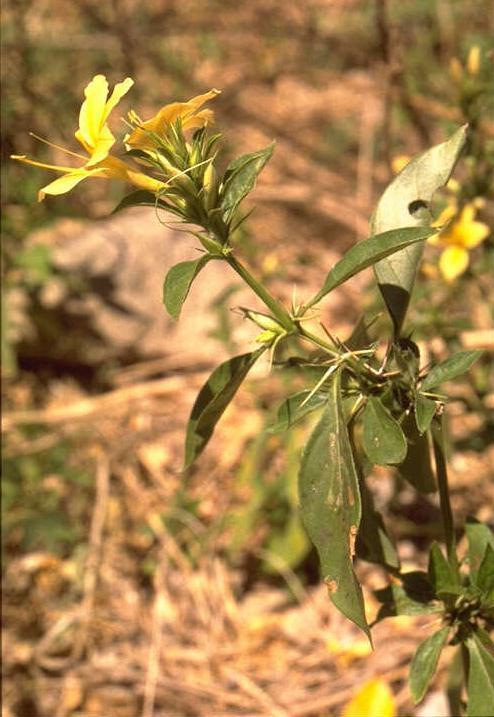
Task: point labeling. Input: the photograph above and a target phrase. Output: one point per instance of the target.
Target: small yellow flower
(189, 113)
(459, 236)
(97, 139)
(473, 60)
(399, 162)
(374, 699)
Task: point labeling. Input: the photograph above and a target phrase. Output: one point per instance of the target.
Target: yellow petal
(453, 262)
(399, 162)
(102, 146)
(63, 184)
(120, 89)
(375, 699)
(92, 111)
(447, 213)
(471, 234)
(167, 115)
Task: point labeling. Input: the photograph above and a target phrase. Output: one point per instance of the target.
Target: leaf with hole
(330, 505)
(450, 368)
(212, 401)
(424, 663)
(178, 282)
(404, 203)
(383, 439)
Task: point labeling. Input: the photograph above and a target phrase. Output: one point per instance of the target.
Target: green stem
(317, 340)
(444, 501)
(278, 311)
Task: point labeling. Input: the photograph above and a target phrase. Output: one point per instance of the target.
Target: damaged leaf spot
(352, 537)
(416, 205)
(332, 585)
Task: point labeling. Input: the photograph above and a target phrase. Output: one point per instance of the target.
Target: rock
(104, 301)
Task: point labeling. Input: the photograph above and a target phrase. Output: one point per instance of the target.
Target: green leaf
(416, 468)
(485, 576)
(424, 663)
(414, 596)
(451, 368)
(442, 575)
(330, 505)
(240, 178)
(480, 679)
(140, 198)
(178, 282)
(383, 439)
(292, 410)
(212, 401)
(404, 204)
(479, 537)
(368, 252)
(373, 542)
(425, 409)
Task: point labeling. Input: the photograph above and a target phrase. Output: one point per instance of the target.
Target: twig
(153, 668)
(94, 554)
(89, 407)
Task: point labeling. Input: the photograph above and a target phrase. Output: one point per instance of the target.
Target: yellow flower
(462, 234)
(473, 60)
(399, 162)
(189, 113)
(97, 140)
(374, 699)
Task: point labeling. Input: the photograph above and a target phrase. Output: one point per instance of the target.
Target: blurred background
(130, 589)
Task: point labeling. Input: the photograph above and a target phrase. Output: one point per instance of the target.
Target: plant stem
(444, 501)
(278, 311)
(317, 340)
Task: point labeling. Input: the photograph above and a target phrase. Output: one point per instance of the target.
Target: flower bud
(264, 321)
(210, 184)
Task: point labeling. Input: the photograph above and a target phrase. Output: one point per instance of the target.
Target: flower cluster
(158, 143)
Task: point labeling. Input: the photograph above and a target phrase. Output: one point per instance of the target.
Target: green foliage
(178, 282)
(404, 203)
(449, 369)
(240, 178)
(212, 401)
(416, 467)
(480, 677)
(383, 439)
(33, 490)
(425, 661)
(330, 505)
(368, 252)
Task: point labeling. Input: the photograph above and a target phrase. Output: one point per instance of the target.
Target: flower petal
(101, 149)
(64, 184)
(92, 111)
(167, 115)
(453, 262)
(471, 234)
(120, 89)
